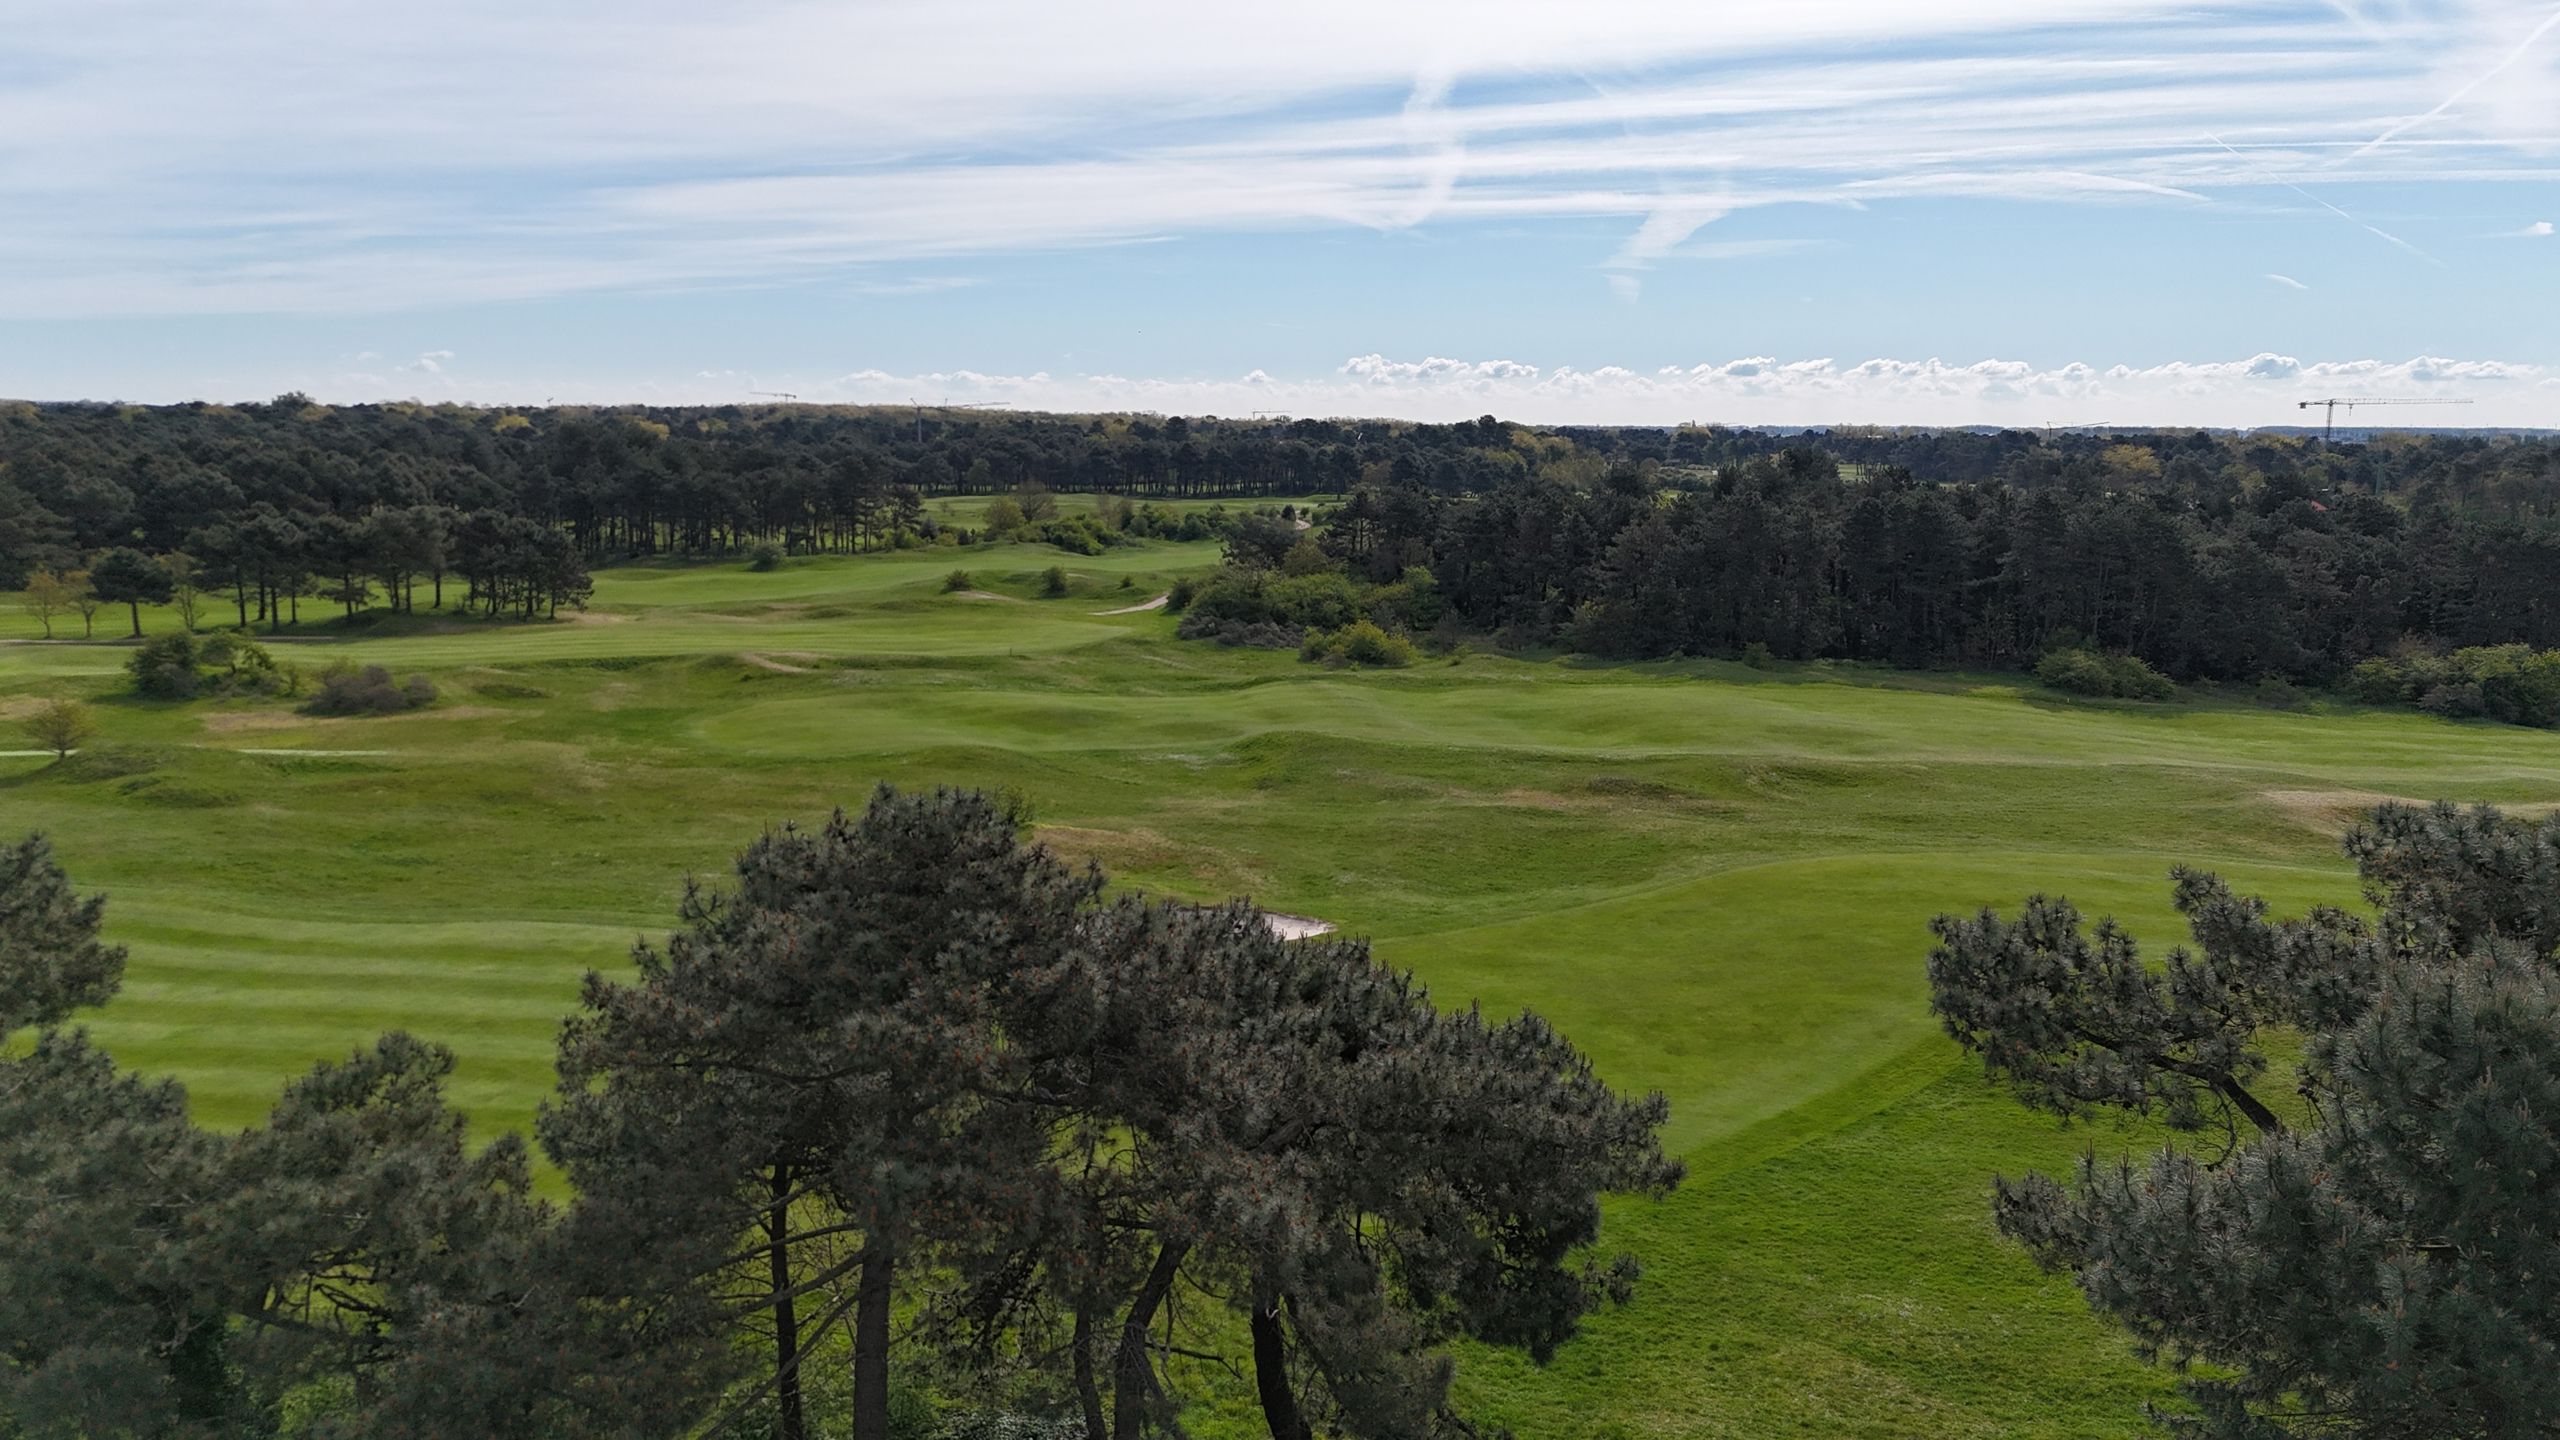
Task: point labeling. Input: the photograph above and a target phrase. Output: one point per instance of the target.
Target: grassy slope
(1715, 879)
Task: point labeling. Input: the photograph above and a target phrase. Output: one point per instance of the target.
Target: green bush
(182, 666)
(1179, 597)
(2517, 683)
(1758, 656)
(346, 690)
(2514, 683)
(2075, 672)
(2086, 672)
(1359, 643)
(1053, 581)
(2383, 680)
(957, 580)
(1325, 601)
(764, 556)
(2136, 680)
(1412, 604)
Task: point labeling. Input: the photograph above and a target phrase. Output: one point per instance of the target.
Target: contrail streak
(2549, 23)
(2325, 205)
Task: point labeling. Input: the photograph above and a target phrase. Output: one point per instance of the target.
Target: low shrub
(957, 580)
(1076, 534)
(346, 690)
(184, 666)
(2460, 700)
(2086, 672)
(1179, 597)
(2277, 693)
(764, 556)
(1412, 604)
(1359, 643)
(1758, 656)
(2514, 683)
(1251, 634)
(1053, 582)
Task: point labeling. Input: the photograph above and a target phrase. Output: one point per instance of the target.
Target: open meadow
(1715, 879)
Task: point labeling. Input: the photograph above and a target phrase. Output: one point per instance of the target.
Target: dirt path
(984, 595)
(1157, 603)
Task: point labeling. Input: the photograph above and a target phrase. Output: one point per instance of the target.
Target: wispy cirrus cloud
(289, 155)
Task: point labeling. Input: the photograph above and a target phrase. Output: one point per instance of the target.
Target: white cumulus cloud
(2256, 390)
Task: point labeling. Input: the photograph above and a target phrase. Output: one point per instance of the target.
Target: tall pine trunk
(1133, 1376)
(1280, 1412)
(871, 1341)
(1088, 1390)
(786, 1318)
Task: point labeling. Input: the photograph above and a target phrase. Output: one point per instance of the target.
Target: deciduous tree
(47, 596)
(60, 724)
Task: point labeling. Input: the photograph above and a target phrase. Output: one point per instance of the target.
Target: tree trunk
(786, 1319)
(1271, 1371)
(136, 607)
(2249, 1105)
(871, 1342)
(1088, 1391)
(1132, 1375)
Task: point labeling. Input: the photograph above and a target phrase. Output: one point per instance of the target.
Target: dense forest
(2210, 556)
(2238, 572)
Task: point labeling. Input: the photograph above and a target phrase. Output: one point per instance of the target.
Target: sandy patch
(313, 754)
(234, 722)
(2331, 811)
(1157, 603)
(767, 662)
(983, 595)
(594, 617)
(1296, 927)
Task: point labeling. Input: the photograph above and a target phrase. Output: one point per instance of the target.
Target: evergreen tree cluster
(2230, 575)
(911, 1116)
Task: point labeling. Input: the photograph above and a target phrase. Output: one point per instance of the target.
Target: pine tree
(2377, 1264)
(830, 1036)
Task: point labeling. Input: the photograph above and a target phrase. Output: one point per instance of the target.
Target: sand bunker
(1157, 603)
(1296, 927)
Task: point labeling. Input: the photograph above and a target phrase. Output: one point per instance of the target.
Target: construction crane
(775, 394)
(947, 405)
(2329, 429)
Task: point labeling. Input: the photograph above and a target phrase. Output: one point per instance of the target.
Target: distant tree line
(911, 1132)
(2232, 575)
(2208, 556)
(79, 479)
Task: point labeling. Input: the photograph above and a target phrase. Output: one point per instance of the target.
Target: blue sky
(1777, 211)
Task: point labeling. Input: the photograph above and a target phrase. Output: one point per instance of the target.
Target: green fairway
(1716, 879)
